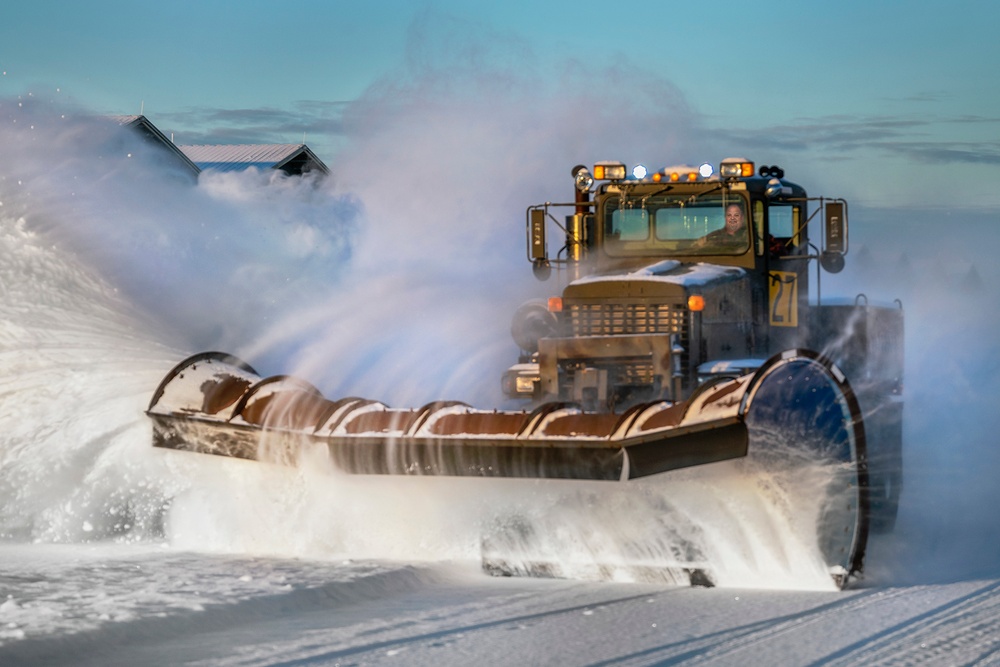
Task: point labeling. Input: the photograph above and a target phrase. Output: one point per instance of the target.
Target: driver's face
(734, 219)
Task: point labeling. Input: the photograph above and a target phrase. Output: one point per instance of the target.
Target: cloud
(319, 121)
(939, 152)
(898, 136)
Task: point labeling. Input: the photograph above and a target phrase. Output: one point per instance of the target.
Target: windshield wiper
(696, 195)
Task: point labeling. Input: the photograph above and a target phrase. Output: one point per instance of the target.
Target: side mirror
(537, 251)
(836, 228)
(536, 230)
(835, 241)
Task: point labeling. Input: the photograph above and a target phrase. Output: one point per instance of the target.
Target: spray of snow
(941, 264)
(105, 292)
(393, 280)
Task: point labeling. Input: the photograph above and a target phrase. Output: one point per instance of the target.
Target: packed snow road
(145, 606)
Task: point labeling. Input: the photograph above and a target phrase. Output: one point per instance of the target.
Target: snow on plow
(796, 410)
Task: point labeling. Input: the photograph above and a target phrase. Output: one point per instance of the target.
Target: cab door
(783, 248)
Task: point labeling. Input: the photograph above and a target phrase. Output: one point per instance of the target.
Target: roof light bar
(736, 167)
(730, 168)
(609, 171)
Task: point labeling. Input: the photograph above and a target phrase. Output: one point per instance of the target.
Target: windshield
(712, 224)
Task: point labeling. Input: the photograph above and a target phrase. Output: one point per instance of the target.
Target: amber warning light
(736, 167)
(611, 171)
(696, 302)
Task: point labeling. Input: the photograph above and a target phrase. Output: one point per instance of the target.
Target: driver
(733, 234)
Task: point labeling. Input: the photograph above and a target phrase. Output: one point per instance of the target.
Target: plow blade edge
(214, 403)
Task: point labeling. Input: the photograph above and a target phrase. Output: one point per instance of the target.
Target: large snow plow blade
(216, 404)
(795, 419)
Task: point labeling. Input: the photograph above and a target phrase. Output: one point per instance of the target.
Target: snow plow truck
(689, 328)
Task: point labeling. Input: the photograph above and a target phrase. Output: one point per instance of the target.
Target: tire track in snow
(965, 630)
(720, 646)
(440, 638)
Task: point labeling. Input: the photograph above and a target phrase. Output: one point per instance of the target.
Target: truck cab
(680, 278)
(670, 279)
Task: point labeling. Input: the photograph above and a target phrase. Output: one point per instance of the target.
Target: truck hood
(672, 272)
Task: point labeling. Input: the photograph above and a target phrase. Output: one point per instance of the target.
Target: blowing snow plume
(446, 157)
(445, 163)
(940, 264)
(395, 280)
(105, 244)
(113, 266)
(199, 257)
(409, 305)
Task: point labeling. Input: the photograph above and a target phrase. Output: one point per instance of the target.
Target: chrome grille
(617, 318)
(609, 319)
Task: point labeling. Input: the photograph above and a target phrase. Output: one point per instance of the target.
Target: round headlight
(532, 321)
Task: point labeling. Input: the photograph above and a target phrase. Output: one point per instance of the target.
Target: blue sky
(898, 103)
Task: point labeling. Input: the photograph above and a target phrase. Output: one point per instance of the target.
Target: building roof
(150, 132)
(290, 158)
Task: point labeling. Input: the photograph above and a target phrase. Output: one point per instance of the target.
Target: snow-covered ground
(115, 553)
(100, 605)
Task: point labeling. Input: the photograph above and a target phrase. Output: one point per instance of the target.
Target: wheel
(805, 427)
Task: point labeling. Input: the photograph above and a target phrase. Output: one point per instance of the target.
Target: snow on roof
(125, 120)
(152, 133)
(293, 158)
(672, 271)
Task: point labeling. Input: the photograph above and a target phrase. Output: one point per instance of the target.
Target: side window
(785, 223)
(781, 222)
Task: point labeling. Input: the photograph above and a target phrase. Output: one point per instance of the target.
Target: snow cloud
(396, 277)
(200, 257)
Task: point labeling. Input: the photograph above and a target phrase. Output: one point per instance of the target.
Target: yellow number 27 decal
(784, 299)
